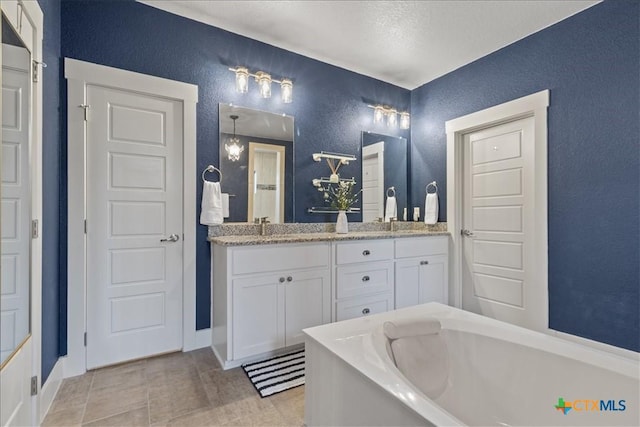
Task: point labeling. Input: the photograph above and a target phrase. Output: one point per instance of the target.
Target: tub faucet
(263, 225)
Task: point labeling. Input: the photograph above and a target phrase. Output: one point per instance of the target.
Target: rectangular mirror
(256, 160)
(16, 194)
(384, 172)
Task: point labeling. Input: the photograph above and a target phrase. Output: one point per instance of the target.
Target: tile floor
(178, 389)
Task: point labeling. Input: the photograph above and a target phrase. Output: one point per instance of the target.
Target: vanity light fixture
(234, 149)
(264, 81)
(380, 112)
(405, 120)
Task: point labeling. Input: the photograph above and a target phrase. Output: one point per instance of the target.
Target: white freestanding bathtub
(495, 374)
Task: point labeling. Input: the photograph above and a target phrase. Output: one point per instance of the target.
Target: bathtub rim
(349, 340)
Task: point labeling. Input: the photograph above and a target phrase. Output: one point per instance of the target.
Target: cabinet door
(407, 283)
(307, 302)
(422, 280)
(434, 280)
(258, 315)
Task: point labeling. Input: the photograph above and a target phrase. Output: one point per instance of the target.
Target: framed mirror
(384, 174)
(256, 160)
(15, 192)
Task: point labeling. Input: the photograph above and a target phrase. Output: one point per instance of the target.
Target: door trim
(79, 74)
(534, 105)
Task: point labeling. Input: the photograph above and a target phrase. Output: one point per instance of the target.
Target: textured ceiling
(407, 43)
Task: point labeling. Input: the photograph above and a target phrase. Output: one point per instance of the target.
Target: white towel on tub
(431, 208)
(211, 209)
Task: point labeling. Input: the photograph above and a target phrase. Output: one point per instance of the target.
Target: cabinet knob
(424, 262)
(366, 252)
(365, 278)
(281, 279)
(365, 311)
(289, 278)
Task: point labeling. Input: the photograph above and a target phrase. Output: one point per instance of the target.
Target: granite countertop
(240, 240)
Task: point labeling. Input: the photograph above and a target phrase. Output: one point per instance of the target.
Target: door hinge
(85, 339)
(34, 229)
(34, 385)
(85, 107)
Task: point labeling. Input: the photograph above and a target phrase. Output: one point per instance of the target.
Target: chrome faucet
(392, 223)
(263, 225)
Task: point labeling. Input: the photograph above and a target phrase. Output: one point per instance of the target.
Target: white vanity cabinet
(264, 295)
(363, 278)
(421, 271)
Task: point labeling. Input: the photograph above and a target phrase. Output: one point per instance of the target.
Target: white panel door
(16, 197)
(16, 361)
(373, 182)
(498, 215)
(134, 226)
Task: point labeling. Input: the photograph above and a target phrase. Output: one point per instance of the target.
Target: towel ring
(211, 168)
(431, 184)
(392, 190)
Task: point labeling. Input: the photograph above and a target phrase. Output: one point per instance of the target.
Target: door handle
(466, 232)
(172, 238)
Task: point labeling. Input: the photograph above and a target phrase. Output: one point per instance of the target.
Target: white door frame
(535, 106)
(79, 74)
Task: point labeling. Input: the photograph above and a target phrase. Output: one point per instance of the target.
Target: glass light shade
(264, 84)
(242, 80)
(234, 150)
(405, 120)
(378, 114)
(286, 91)
(392, 118)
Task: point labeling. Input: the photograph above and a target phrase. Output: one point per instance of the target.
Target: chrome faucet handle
(264, 220)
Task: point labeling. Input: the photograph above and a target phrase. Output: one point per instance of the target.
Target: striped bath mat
(277, 374)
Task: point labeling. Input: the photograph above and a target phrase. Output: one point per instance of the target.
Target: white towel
(431, 209)
(391, 209)
(211, 213)
(225, 205)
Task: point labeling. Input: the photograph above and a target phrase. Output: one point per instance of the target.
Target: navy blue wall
(330, 104)
(590, 63)
(51, 318)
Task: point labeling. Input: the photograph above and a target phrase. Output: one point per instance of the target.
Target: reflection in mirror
(16, 194)
(384, 165)
(259, 180)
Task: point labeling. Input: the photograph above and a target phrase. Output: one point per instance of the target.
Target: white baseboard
(203, 338)
(618, 351)
(50, 388)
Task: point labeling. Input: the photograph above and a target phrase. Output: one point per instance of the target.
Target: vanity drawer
(364, 279)
(364, 251)
(366, 306)
(421, 246)
(267, 258)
